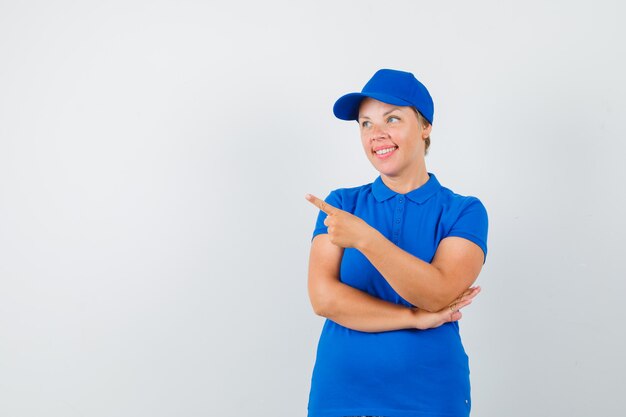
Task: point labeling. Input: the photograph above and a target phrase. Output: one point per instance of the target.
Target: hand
(344, 229)
(427, 320)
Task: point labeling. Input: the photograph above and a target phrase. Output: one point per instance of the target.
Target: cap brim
(347, 107)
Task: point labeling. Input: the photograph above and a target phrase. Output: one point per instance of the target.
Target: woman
(392, 263)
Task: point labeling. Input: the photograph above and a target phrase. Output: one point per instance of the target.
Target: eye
(366, 123)
(393, 119)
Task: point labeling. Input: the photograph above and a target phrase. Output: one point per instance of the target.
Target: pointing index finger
(321, 204)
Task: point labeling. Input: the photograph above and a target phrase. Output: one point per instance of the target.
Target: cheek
(399, 136)
(408, 136)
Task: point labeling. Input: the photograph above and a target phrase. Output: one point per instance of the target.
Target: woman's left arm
(429, 286)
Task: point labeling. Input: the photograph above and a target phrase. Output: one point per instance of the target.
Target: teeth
(384, 151)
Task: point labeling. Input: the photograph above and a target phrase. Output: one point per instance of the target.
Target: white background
(154, 158)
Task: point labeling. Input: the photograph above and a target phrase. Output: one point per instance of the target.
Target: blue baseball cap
(389, 86)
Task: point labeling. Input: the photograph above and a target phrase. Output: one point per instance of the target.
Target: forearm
(418, 282)
(360, 311)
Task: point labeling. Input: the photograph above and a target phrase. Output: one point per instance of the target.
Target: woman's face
(392, 137)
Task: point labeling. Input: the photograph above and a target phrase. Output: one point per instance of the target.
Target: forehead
(370, 106)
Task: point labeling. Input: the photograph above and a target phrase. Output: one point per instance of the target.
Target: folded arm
(430, 286)
(358, 310)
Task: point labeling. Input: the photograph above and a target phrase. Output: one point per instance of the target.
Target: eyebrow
(384, 114)
(391, 111)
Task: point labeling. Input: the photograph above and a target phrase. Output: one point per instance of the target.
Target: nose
(377, 132)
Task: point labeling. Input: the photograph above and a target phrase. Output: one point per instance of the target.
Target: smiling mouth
(385, 152)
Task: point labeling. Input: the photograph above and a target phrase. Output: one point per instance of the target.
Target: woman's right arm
(356, 309)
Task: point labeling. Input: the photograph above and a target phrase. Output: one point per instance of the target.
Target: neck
(406, 182)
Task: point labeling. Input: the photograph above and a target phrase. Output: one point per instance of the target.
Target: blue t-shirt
(401, 373)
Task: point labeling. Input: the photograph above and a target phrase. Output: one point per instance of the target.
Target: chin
(387, 171)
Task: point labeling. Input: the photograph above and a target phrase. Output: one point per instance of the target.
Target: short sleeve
(334, 200)
(472, 224)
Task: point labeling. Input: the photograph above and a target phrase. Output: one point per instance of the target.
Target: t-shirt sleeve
(334, 200)
(472, 224)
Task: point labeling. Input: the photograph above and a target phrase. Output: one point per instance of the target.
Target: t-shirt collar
(419, 195)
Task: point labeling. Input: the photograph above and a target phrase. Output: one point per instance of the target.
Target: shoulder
(457, 204)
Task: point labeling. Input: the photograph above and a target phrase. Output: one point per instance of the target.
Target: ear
(426, 131)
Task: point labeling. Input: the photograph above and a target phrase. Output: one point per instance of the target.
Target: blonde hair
(422, 120)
